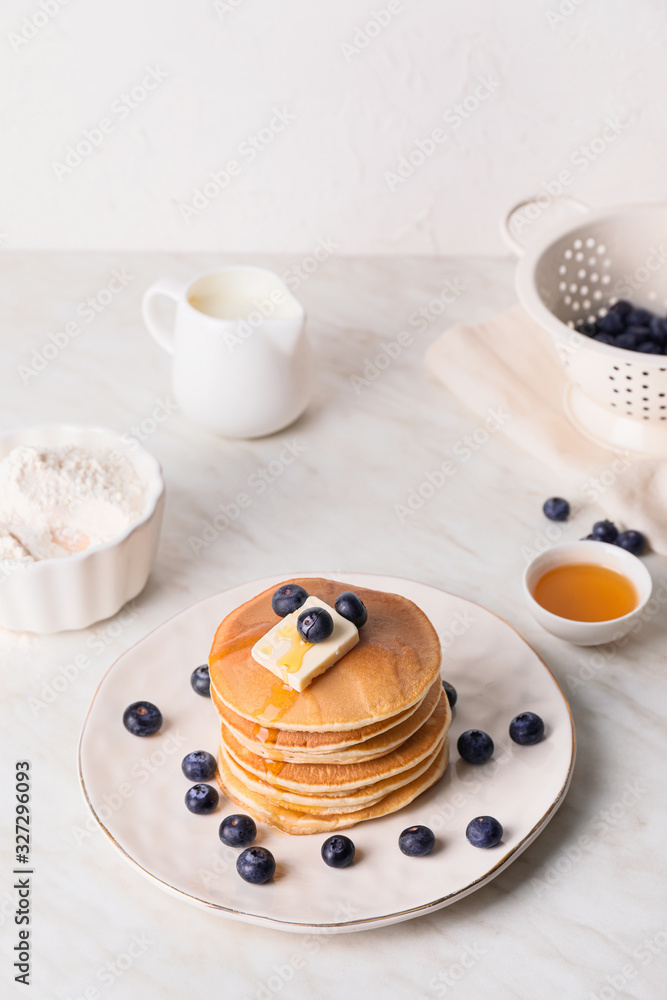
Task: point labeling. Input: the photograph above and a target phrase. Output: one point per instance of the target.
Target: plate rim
(364, 923)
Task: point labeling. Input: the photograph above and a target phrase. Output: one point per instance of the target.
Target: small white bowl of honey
(587, 592)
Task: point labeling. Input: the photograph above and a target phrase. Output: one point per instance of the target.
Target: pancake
(369, 749)
(267, 739)
(293, 822)
(325, 777)
(338, 802)
(388, 672)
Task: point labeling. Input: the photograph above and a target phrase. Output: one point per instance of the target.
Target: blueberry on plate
(556, 509)
(142, 718)
(351, 606)
(338, 851)
(256, 864)
(199, 765)
(526, 728)
(288, 598)
(484, 831)
(632, 541)
(605, 531)
(314, 624)
(417, 841)
(201, 681)
(475, 746)
(201, 799)
(605, 338)
(451, 692)
(237, 830)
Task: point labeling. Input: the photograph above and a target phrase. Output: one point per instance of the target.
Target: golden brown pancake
(272, 747)
(389, 671)
(337, 802)
(326, 777)
(301, 741)
(291, 821)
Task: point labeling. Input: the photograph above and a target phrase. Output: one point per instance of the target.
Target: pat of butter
(296, 662)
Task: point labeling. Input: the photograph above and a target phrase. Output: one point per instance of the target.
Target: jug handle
(151, 316)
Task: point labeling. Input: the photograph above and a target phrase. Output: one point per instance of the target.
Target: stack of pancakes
(362, 740)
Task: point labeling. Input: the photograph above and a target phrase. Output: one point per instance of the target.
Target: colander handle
(505, 230)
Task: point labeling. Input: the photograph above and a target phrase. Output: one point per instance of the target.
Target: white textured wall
(557, 78)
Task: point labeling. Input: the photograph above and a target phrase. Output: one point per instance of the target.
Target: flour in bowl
(58, 501)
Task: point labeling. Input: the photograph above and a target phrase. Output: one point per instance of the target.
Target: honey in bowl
(586, 592)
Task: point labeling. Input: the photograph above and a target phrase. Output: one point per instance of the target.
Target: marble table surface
(581, 912)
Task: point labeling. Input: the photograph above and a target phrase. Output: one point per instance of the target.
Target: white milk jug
(242, 364)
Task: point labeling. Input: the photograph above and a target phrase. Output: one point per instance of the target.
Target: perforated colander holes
(578, 294)
(647, 401)
(628, 392)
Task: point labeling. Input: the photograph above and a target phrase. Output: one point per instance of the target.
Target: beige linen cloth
(510, 361)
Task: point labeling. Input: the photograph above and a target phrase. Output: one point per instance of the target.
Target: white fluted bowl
(76, 591)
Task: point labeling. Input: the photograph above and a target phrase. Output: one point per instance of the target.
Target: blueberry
(658, 329)
(475, 746)
(201, 799)
(315, 624)
(605, 338)
(451, 693)
(556, 509)
(526, 728)
(416, 841)
(142, 718)
(588, 329)
(589, 538)
(605, 531)
(338, 851)
(484, 831)
(288, 598)
(627, 340)
(198, 765)
(612, 323)
(201, 681)
(237, 830)
(639, 317)
(642, 335)
(352, 607)
(649, 347)
(256, 864)
(632, 541)
(622, 307)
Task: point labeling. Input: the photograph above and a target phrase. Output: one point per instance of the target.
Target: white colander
(574, 272)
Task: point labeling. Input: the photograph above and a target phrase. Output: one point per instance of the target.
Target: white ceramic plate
(135, 787)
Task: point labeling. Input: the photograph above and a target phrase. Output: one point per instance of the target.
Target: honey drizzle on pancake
(265, 735)
(292, 659)
(273, 767)
(281, 700)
